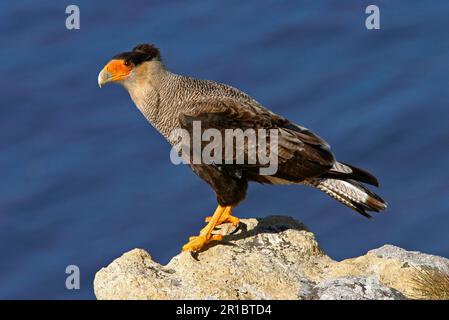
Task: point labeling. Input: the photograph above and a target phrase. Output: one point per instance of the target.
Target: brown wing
(301, 154)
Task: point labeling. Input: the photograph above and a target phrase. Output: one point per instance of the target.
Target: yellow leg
(226, 217)
(197, 243)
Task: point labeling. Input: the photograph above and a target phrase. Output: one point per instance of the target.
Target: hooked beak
(104, 77)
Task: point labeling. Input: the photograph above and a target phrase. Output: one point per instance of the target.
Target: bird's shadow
(270, 224)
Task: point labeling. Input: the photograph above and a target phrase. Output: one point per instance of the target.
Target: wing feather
(301, 153)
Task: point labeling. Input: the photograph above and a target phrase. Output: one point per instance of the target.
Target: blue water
(84, 178)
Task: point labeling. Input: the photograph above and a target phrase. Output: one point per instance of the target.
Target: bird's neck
(152, 91)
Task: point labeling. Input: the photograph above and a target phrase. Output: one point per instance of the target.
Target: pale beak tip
(104, 77)
(100, 80)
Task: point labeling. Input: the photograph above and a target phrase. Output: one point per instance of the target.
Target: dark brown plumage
(308, 160)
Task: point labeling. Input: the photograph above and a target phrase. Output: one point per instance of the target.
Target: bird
(170, 101)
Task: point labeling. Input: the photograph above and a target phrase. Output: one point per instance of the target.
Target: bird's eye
(127, 63)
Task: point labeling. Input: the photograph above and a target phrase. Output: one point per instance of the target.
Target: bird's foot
(225, 218)
(198, 243)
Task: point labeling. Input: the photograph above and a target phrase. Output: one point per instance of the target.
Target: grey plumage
(165, 99)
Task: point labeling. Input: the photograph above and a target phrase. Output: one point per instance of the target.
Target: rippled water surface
(84, 178)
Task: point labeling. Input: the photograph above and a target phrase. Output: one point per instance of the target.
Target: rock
(356, 288)
(268, 258)
(395, 267)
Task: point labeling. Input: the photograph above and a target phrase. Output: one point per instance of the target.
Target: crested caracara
(170, 101)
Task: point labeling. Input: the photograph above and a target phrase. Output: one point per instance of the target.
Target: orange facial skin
(118, 69)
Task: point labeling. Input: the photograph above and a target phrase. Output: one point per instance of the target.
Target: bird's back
(190, 89)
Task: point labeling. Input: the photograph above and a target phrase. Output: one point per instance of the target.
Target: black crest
(140, 54)
(147, 49)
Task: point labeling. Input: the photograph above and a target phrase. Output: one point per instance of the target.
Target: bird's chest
(159, 114)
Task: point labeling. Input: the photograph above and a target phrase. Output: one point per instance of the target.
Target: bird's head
(126, 67)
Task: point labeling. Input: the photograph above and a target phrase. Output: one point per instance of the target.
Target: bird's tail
(352, 193)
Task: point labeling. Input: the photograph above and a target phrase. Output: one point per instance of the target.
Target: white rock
(268, 258)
